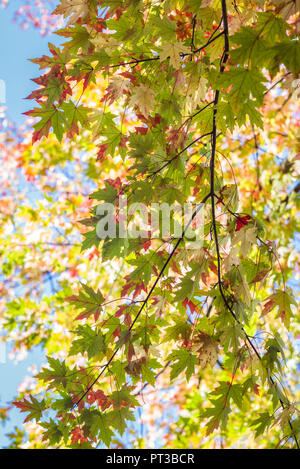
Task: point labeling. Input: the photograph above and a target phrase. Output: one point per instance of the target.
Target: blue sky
(17, 46)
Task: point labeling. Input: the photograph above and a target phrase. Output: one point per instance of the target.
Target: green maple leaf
(118, 418)
(122, 397)
(283, 300)
(102, 422)
(143, 272)
(90, 341)
(247, 93)
(113, 248)
(163, 27)
(236, 394)
(231, 336)
(224, 117)
(56, 374)
(61, 57)
(53, 432)
(50, 117)
(251, 47)
(271, 26)
(89, 300)
(184, 361)
(262, 423)
(219, 412)
(64, 404)
(181, 330)
(75, 115)
(113, 138)
(52, 90)
(91, 239)
(288, 53)
(108, 194)
(187, 287)
(35, 408)
(80, 38)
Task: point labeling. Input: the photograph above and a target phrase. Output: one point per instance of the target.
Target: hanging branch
(151, 59)
(118, 347)
(223, 62)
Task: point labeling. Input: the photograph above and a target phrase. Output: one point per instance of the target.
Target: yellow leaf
(173, 52)
(144, 98)
(242, 290)
(247, 237)
(207, 350)
(231, 259)
(74, 8)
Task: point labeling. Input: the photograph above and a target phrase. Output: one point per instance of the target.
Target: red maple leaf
(146, 245)
(101, 151)
(242, 221)
(78, 435)
(190, 304)
(141, 130)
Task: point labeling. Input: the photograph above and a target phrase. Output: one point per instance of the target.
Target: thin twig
(212, 195)
(118, 347)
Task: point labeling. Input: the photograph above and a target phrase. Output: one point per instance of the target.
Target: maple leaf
(283, 300)
(90, 341)
(216, 49)
(75, 115)
(185, 360)
(103, 423)
(230, 196)
(57, 374)
(74, 8)
(35, 408)
(231, 259)
(261, 276)
(117, 88)
(285, 416)
(144, 98)
(200, 93)
(89, 300)
(242, 221)
(102, 399)
(186, 302)
(119, 417)
(173, 52)
(206, 348)
(50, 117)
(242, 289)
(160, 304)
(247, 237)
(197, 93)
(78, 435)
(218, 414)
(263, 422)
(54, 432)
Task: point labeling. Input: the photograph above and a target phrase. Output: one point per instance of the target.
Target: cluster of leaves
(176, 98)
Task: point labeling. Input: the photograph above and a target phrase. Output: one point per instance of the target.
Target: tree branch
(117, 349)
(212, 195)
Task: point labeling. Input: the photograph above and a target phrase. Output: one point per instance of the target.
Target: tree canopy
(156, 339)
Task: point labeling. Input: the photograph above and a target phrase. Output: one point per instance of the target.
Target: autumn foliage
(162, 102)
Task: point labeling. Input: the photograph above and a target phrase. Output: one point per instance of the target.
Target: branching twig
(118, 347)
(157, 57)
(212, 195)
